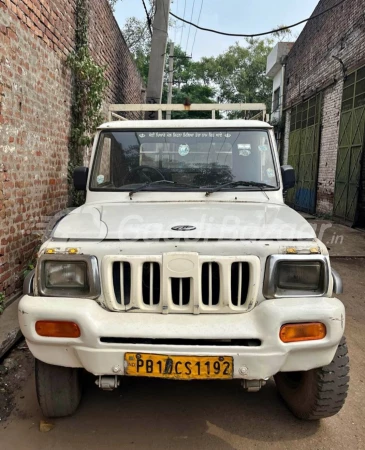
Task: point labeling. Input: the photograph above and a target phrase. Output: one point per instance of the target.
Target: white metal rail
(116, 110)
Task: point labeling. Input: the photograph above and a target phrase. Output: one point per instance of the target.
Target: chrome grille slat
(239, 293)
(122, 297)
(210, 269)
(181, 292)
(151, 283)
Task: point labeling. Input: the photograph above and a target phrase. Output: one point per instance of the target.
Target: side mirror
(288, 176)
(80, 178)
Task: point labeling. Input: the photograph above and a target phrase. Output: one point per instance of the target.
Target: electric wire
(196, 30)
(177, 12)
(149, 21)
(191, 18)
(183, 27)
(258, 34)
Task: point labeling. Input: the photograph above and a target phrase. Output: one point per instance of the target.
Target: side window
(276, 102)
(103, 175)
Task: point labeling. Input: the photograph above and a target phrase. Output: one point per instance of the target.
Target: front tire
(318, 393)
(58, 389)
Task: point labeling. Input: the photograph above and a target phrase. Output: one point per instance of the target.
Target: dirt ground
(156, 414)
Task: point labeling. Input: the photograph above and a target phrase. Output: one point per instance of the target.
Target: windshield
(185, 159)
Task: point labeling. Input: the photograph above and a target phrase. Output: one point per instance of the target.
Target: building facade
(324, 110)
(275, 70)
(36, 36)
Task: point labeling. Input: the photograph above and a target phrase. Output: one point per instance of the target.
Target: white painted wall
(276, 84)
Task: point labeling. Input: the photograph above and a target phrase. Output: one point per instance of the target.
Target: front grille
(180, 291)
(210, 284)
(122, 283)
(181, 283)
(240, 276)
(200, 342)
(151, 289)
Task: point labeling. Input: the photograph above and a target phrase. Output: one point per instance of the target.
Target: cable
(191, 18)
(259, 34)
(196, 30)
(182, 29)
(177, 12)
(148, 17)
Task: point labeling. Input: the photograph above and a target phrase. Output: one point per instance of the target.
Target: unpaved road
(155, 414)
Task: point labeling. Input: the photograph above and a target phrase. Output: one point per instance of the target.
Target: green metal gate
(304, 141)
(351, 143)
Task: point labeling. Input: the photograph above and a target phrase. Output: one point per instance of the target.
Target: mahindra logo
(184, 228)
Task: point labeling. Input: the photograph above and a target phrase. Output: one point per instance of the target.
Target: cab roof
(164, 124)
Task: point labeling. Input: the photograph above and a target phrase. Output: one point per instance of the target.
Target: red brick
(311, 66)
(32, 185)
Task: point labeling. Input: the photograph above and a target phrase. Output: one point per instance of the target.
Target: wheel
(318, 393)
(58, 389)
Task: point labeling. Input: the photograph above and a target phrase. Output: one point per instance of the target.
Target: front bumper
(262, 323)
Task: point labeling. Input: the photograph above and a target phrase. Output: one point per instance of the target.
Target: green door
(303, 155)
(350, 147)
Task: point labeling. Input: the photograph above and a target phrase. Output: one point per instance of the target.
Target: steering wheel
(143, 170)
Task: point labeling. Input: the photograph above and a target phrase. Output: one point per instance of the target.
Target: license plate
(179, 367)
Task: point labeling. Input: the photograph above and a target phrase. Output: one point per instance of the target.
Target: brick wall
(361, 210)
(286, 137)
(35, 100)
(328, 147)
(311, 68)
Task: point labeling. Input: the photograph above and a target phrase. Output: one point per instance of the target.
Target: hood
(184, 220)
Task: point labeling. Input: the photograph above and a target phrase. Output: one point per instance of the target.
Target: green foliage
(112, 4)
(89, 86)
(240, 73)
(2, 302)
(237, 75)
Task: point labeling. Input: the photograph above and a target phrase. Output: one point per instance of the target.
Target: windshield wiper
(151, 183)
(261, 186)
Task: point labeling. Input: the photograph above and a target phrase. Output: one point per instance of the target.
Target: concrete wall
(35, 101)
(275, 116)
(312, 68)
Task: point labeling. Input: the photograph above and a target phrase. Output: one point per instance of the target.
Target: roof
(163, 124)
(275, 58)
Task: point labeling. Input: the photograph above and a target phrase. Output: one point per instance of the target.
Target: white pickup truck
(185, 263)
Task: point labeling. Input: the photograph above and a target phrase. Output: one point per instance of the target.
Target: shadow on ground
(151, 413)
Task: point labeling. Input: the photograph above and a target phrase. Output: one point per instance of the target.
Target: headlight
(296, 276)
(68, 276)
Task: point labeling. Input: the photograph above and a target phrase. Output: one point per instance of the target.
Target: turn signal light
(48, 328)
(298, 332)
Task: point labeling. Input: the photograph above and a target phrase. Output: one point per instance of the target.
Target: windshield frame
(172, 188)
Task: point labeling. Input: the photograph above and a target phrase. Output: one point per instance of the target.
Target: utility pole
(158, 52)
(171, 78)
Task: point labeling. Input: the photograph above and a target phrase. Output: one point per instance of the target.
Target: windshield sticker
(270, 173)
(100, 179)
(244, 149)
(184, 150)
(185, 135)
(263, 148)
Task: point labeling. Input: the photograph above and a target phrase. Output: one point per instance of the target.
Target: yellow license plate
(179, 367)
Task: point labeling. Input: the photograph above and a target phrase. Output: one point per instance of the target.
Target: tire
(58, 389)
(318, 393)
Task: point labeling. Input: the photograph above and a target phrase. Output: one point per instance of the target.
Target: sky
(233, 16)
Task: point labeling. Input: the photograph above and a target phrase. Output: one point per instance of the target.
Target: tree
(240, 73)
